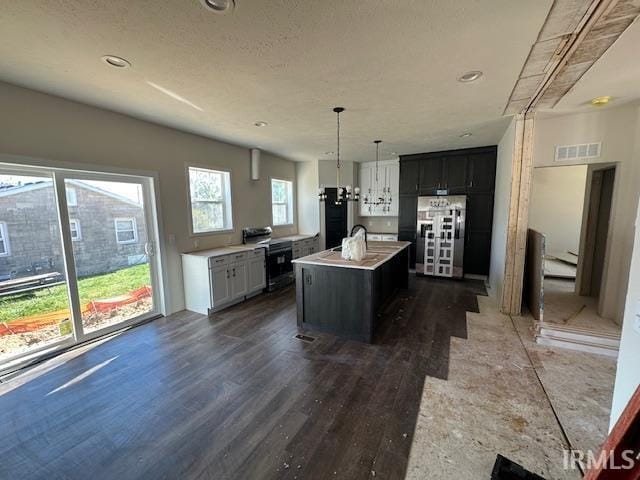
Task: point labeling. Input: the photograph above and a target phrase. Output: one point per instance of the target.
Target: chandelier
(343, 194)
(379, 197)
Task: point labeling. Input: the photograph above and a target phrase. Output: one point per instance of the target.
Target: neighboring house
(108, 230)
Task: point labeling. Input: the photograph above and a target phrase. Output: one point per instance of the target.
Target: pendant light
(381, 198)
(343, 194)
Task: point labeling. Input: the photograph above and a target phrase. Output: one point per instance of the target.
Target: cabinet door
(409, 236)
(407, 212)
(239, 281)
(392, 175)
(409, 176)
(455, 174)
(220, 286)
(257, 274)
(482, 172)
(431, 175)
(366, 189)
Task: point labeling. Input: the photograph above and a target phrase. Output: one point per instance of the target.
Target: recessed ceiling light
(261, 124)
(465, 135)
(219, 6)
(470, 76)
(600, 101)
(115, 61)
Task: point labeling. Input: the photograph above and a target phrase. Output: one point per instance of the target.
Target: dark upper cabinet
(431, 175)
(481, 172)
(408, 212)
(454, 174)
(409, 176)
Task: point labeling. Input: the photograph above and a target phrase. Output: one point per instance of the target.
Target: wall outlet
(196, 243)
(388, 224)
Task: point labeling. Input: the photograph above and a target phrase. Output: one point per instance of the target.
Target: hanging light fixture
(343, 194)
(380, 197)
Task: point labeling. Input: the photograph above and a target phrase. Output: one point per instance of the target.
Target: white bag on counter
(354, 248)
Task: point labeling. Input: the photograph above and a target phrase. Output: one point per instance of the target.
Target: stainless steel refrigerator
(440, 246)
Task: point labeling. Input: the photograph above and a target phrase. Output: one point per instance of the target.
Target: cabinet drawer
(374, 238)
(237, 257)
(296, 252)
(307, 242)
(218, 261)
(389, 238)
(258, 252)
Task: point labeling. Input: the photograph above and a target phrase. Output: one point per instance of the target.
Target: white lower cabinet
(303, 248)
(215, 282)
(221, 294)
(257, 274)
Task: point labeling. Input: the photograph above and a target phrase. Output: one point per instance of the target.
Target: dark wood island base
(343, 297)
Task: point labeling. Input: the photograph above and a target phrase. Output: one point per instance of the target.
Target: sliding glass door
(34, 293)
(77, 257)
(110, 238)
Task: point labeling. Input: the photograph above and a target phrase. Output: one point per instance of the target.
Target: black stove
(279, 253)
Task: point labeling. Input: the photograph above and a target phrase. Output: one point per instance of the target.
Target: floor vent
(305, 338)
(505, 469)
(582, 151)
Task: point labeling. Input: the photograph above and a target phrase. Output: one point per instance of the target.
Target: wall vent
(582, 151)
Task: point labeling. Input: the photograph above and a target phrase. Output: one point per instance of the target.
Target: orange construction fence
(36, 322)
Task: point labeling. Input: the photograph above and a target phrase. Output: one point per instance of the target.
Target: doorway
(335, 219)
(77, 258)
(596, 231)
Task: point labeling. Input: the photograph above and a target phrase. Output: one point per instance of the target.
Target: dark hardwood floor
(235, 396)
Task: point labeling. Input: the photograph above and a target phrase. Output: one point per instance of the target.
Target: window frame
(227, 202)
(290, 204)
(4, 234)
(71, 193)
(78, 230)
(135, 230)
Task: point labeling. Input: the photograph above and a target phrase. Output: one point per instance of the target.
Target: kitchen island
(342, 297)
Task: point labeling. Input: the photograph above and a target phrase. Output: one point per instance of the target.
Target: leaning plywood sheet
(533, 292)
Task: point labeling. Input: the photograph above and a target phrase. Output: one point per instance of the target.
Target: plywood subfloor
(580, 386)
(492, 403)
(562, 306)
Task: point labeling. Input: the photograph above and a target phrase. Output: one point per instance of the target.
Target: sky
(132, 191)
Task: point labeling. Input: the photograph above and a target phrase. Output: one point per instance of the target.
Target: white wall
(556, 204)
(628, 371)
(504, 166)
(39, 125)
(618, 130)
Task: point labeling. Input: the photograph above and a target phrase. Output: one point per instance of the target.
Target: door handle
(234, 272)
(227, 274)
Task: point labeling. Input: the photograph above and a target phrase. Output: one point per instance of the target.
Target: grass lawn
(91, 288)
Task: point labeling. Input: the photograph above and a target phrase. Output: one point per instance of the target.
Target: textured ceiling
(392, 63)
(616, 73)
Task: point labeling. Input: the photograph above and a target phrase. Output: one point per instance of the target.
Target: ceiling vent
(582, 151)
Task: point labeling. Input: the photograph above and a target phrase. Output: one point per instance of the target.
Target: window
(282, 202)
(76, 234)
(4, 240)
(126, 231)
(210, 198)
(72, 197)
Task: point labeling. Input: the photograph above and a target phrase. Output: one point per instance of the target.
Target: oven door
(279, 264)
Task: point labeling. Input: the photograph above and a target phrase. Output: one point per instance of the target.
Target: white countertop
(218, 252)
(300, 236)
(377, 254)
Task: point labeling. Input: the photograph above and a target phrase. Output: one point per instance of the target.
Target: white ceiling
(392, 63)
(616, 73)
